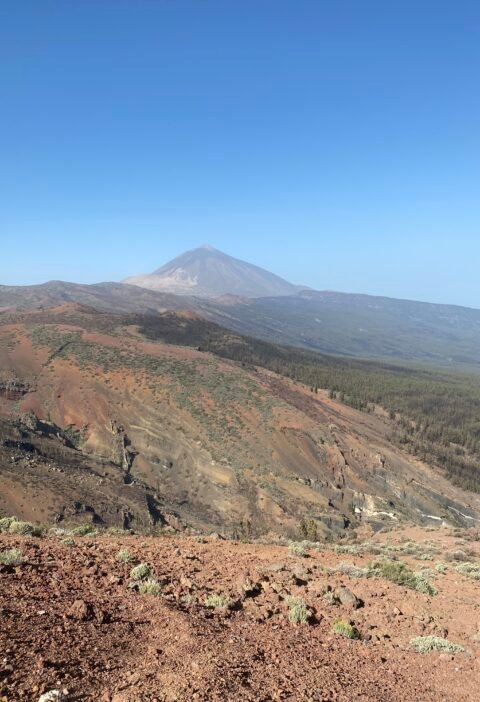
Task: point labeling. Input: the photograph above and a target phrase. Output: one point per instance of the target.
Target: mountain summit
(208, 272)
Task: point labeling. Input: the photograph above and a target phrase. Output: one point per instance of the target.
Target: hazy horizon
(334, 145)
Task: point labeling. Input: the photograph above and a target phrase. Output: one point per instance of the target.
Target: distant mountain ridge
(207, 272)
(233, 293)
(362, 326)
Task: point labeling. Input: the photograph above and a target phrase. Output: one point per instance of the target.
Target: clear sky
(334, 142)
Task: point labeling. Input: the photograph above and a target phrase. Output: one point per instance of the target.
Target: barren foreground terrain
(207, 619)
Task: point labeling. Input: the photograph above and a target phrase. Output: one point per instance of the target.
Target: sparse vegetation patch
(149, 587)
(297, 611)
(12, 557)
(5, 524)
(297, 548)
(84, 530)
(141, 571)
(215, 601)
(425, 644)
(124, 556)
(352, 571)
(400, 574)
(345, 629)
(472, 570)
(24, 528)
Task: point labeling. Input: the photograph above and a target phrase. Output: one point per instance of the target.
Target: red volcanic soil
(72, 619)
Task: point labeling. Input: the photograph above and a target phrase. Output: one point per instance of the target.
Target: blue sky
(335, 142)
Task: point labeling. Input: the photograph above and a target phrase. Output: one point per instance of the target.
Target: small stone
(246, 587)
(348, 598)
(80, 610)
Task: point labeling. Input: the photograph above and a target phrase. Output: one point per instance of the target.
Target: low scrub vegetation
(84, 530)
(434, 413)
(12, 525)
(472, 570)
(400, 574)
(297, 548)
(149, 587)
(352, 571)
(215, 601)
(425, 644)
(124, 556)
(24, 529)
(297, 611)
(345, 629)
(459, 555)
(140, 572)
(12, 557)
(351, 549)
(5, 524)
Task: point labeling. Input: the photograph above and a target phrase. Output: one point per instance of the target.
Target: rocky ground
(213, 619)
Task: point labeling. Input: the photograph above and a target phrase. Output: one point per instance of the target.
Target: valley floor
(72, 619)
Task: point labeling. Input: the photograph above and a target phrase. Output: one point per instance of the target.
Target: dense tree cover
(435, 414)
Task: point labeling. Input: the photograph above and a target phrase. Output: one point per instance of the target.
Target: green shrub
(472, 570)
(352, 571)
(68, 541)
(149, 587)
(13, 557)
(188, 599)
(5, 523)
(309, 529)
(124, 556)
(141, 571)
(425, 644)
(351, 549)
(24, 528)
(84, 530)
(297, 548)
(441, 567)
(215, 601)
(345, 629)
(400, 574)
(297, 611)
(459, 556)
(374, 549)
(423, 586)
(58, 531)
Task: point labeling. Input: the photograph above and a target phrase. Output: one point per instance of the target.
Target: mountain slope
(140, 432)
(359, 326)
(110, 297)
(208, 272)
(362, 326)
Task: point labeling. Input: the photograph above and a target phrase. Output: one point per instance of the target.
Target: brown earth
(70, 620)
(166, 434)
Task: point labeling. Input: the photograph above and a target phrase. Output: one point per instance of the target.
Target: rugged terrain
(169, 461)
(99, 421)
(216, 620)
(355, 326)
